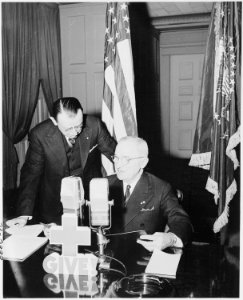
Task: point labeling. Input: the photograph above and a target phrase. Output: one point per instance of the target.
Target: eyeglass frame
(127, 159)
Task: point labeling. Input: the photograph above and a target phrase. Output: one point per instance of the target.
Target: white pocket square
(93, 148)
(148, 209)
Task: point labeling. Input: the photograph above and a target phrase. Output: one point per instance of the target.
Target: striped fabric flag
(118, 107)
(217, 135)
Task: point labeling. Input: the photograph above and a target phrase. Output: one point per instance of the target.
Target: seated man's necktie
(127, 194)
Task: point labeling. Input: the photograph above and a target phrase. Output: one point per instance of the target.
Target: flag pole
(222, 173)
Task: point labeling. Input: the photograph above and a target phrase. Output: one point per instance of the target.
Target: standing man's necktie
(127, 194)
(71, 141)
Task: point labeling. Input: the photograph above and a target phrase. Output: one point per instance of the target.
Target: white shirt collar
(54, 121)
(133, 183)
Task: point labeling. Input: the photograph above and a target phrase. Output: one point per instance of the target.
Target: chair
(179, 195)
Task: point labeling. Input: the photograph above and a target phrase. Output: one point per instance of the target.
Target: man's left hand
(158, 240)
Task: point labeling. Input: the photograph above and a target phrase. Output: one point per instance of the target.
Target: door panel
(185, 83)
(82, 40)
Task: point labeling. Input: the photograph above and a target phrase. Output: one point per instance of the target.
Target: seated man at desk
(143, 201)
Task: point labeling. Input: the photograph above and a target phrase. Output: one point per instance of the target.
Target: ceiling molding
(182, 21)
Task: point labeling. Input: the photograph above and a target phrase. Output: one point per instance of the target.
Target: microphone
(100, 213)
(72, 195)
(99, 203)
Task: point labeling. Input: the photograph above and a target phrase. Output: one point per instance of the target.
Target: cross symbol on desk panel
(70, 235)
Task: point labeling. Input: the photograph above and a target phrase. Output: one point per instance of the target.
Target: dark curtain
(49, 52)
(30, 55)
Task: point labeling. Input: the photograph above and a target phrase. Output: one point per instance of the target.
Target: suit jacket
(150, 207)
(47, 163)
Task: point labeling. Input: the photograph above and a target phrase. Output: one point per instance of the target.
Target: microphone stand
(102, 240)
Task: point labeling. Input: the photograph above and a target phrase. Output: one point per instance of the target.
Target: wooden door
(185, 88)
(82, 41)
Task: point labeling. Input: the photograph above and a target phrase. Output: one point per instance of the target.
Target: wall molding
(183, 45)
(68, 5)
(181, 22)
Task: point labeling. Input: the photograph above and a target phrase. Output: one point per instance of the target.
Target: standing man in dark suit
(66, 144)
(143, 201)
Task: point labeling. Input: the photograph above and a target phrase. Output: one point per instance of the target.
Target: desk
(203, 271)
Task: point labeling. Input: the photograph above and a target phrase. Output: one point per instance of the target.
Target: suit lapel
(116, 191)
(56, 146)
(140, 197)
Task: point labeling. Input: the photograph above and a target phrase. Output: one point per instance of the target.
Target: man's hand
(158, 240)
(47, 228)
(19, 222)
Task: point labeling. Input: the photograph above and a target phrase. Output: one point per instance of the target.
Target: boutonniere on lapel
(148, 209)
(93, 148)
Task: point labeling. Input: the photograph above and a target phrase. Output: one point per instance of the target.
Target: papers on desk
(163, 264)
(18, 248)
(28, 230)
(23, 242)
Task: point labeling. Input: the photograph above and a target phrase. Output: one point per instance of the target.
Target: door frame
(175, 43)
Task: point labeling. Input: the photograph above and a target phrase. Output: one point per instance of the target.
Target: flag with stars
(118, 107)
(217, 134)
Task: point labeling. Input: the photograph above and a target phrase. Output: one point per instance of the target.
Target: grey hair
(137, 142)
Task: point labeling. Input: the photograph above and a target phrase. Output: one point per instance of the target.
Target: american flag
(118, 107)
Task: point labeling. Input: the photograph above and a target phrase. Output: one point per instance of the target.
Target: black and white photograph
(120, 166)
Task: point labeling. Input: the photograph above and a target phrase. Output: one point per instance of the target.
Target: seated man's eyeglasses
(124, 159)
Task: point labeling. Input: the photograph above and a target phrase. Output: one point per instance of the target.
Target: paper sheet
(28, 230)
(18, 248)
(164, 264)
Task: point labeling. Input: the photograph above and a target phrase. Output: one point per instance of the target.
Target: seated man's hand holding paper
(158, 240)
(20, 221)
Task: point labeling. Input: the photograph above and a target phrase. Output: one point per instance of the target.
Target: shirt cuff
(178, 242)
(26, 217)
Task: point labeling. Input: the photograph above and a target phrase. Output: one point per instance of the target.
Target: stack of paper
(18, 248)
(23, 242)
(28, 230)
(163, 264)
